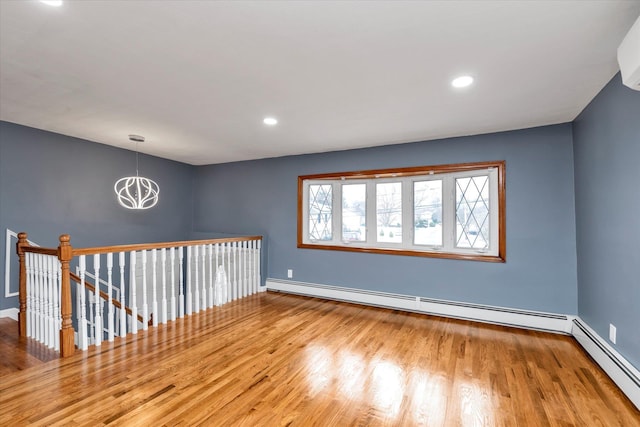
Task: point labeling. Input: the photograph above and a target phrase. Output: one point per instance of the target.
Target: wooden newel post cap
(22, 241)
(65, 250)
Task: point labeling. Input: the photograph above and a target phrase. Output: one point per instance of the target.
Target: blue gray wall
(607, 191)
(52, 184)
(540, 273)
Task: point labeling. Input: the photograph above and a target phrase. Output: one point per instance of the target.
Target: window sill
(406, 252)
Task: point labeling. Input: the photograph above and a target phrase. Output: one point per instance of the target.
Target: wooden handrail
(39, 250)
(161, 245)
(104, 296)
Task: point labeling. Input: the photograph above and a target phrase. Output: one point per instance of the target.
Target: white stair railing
(217, 271)
(43, 299)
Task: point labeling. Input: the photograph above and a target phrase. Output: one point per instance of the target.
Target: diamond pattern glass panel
(320, 212)
(427, 213)
(389, 212)
(354, 212)
(472, 212)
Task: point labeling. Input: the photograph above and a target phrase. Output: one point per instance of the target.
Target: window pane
(354, 215)
(472, 212)
(427, 213)
(389, 212)
(320, 197)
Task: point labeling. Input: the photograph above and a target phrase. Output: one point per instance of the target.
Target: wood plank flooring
(283, 360)
(17, 354)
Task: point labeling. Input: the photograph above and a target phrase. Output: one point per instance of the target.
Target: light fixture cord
(137, 158)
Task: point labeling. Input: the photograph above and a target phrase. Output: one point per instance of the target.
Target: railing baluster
(163, 257)
(110, 314)
(172, 253)
(250, 266)
(249, 269)
(37, 296)
(203, 302)
(28, 296)
(50, 314)
(238, 270)
(40, 320)
(82, 322)
(123, 298)
(43, 298)
(210, 293)
(181, 289)
(154, 309)
(228, 273)
(245, 276)
(188, 296)
(97, 323)
(44, 307)
(196, 284)
(259, 266)
(221, 286)
(234, 295)
(145, 306)
(134, 298)
(56, 303)
(253, 266)
(216, 297)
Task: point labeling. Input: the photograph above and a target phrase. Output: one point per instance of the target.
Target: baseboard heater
(548, 322)
(613, 363)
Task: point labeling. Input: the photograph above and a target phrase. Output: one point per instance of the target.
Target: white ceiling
(196, 78)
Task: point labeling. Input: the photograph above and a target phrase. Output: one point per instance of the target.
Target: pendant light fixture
(136, 192)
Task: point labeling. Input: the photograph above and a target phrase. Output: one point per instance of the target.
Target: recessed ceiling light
(270, 121)
(462, 81)
(52, 2)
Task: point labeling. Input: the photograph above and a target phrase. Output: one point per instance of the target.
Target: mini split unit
(629, 57)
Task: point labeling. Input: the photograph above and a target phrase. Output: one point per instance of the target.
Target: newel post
(65, 254)
(22, 284)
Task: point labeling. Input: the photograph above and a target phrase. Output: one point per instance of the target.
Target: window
(445, 211)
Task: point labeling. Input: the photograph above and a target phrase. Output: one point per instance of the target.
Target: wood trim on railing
(41, 251)
(104, 296)
(21, 246)
(67, 339)
(147, 246)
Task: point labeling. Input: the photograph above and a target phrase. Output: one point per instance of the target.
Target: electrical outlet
(612, 333)
(290, 273)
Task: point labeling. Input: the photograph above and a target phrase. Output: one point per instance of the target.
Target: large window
(445, 211)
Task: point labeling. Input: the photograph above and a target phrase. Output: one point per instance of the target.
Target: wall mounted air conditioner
(629, 57)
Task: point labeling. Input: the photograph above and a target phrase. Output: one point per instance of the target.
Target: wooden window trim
(413, 171)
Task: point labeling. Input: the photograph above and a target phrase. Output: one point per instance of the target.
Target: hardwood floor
(18, 354)
(275, 359)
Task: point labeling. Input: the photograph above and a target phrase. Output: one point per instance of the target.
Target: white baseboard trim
(10, 312)
(625, 375)
(550, 322)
